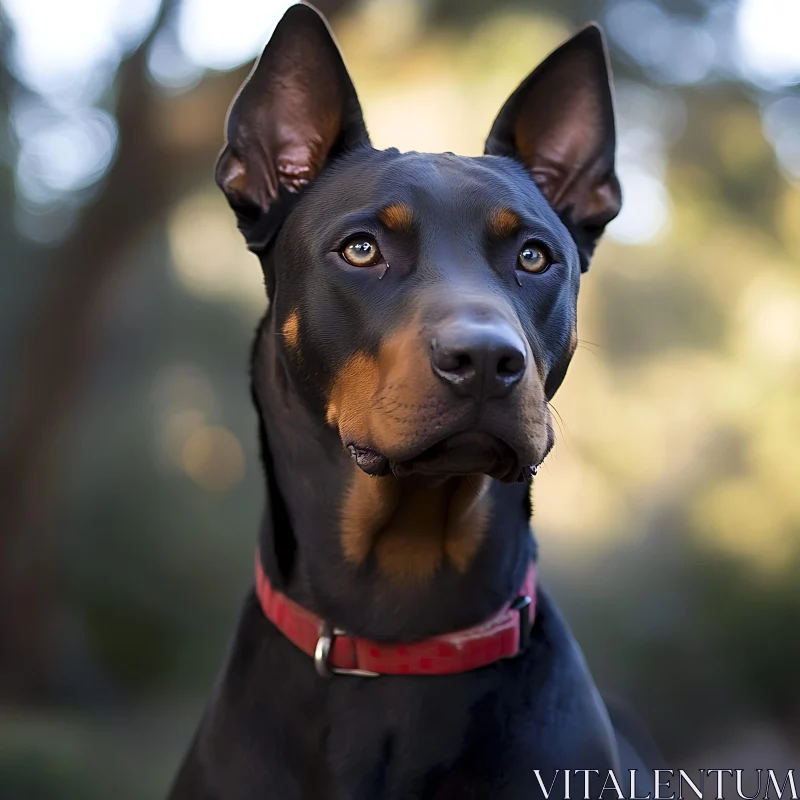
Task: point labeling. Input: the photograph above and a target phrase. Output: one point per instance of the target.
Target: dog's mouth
(470, 453)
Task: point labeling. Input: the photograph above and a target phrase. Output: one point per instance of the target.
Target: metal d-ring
(323, 650)
(322, 653)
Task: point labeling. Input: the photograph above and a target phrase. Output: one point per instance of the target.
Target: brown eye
(361, 251)
(532, 258)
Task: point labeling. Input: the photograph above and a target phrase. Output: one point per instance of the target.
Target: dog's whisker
(588, 350)
(562, 425)
(556, 411)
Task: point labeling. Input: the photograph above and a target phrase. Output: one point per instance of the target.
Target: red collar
(504, 635)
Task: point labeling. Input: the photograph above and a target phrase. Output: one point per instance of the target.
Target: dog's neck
(309, 476)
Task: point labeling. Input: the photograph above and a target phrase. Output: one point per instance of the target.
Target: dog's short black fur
(422, 311)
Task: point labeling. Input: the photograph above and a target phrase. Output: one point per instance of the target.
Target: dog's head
(426, 302)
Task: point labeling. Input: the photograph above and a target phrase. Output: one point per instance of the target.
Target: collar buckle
(522, 604)
(322, 653)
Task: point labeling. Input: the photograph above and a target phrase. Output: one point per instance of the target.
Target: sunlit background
(130, 489)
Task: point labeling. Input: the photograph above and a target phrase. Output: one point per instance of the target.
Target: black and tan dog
(422, 312)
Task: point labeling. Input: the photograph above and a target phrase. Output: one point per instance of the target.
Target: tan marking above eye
(291, 330)
(397, 217)
(503, 222)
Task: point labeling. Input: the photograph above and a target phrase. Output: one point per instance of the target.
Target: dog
(422, 313)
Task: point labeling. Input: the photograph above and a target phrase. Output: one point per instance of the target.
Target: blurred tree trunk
(165, 145)
(51, 364)
(154, 164)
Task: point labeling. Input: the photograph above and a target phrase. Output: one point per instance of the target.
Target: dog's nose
(478, 359)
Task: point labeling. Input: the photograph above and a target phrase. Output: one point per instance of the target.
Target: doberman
(422, 313)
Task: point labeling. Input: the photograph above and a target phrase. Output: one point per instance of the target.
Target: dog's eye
(533, 258)
(361, 251)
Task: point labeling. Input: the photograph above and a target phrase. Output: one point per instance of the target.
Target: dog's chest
(275, 730)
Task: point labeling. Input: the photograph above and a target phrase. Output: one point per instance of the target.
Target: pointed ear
(560, 124)
(296, 111)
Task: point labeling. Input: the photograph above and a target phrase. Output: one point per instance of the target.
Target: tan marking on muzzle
(355, 407)
(540, 369)
(414, 525)
(351, 393)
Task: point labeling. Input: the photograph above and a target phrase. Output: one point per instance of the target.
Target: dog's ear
(560, 124)
(296, 110)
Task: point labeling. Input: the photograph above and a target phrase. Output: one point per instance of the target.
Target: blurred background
(130, 490)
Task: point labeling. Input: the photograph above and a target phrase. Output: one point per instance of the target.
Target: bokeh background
(130, 490)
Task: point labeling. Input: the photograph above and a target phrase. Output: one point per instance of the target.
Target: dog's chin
(469, 453)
